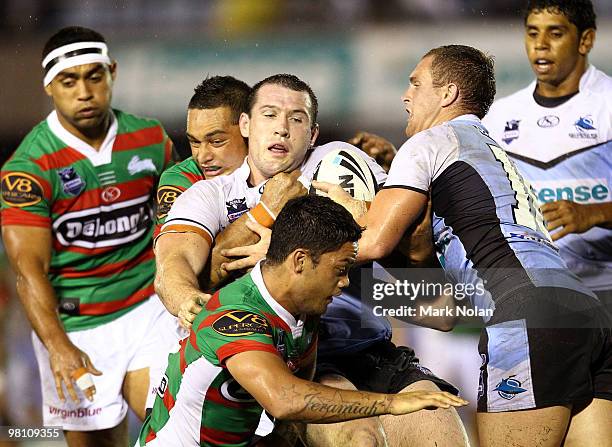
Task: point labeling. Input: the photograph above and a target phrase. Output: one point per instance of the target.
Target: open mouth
(87, 112)
(211, 170)
(542, 65)
(278, 148)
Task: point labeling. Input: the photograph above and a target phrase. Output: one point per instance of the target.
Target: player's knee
(366, 437)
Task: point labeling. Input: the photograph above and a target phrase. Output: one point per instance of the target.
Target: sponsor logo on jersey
(548, 121)
(481, 382)
(166, 196)
(137, 165)
(110, 194)
(72, 182)
(236, 208)
(69, 306)
(511, 131)
(585, 190)
(585, 128)
(163, 385)
(21, 189)
(106, 225)
(237, 323)
(509, 388)
(233, 391)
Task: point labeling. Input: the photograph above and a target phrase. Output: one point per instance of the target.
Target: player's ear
(113, 70)
(299, 258)
(587, 40)
(48, 89)
(451, 93)
(315, 134)
(244, 123)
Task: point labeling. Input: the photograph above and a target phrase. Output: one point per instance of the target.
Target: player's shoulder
(183, 174)
(430, 137)
(596, 81)
(40, 141)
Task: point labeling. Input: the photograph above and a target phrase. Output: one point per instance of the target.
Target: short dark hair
(315, 223)
(221, 91)
(71, 34)
(578, 12)
(471, 70)
(291, 82)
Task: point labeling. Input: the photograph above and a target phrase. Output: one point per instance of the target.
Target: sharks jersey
(209, 206)
(199, 403)
(487, 226)
(565, 151)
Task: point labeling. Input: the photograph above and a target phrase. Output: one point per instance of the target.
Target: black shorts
(527, 366)
(381, 368)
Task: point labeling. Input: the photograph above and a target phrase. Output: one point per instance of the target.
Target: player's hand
(68, 363)
(190, 308)
(412, 401)
(281, 188)
(377, 147)
(248, 255)
(573, 217)
(335, 192)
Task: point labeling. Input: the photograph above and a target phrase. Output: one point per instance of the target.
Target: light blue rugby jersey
(487, 226)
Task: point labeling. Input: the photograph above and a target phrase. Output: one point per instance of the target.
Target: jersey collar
(296, 326)
(97, 157)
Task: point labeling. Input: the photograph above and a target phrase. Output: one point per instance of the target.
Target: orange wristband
(262, 214)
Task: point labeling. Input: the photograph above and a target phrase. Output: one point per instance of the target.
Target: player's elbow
(279, 410)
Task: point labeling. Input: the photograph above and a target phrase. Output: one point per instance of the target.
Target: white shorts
(139, 339)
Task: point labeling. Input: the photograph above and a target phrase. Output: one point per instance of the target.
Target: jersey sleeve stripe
(230, 349)
(183, 228)
(59, 159)
(213, 302)
(411, 188)
(192, 178)
(139, 138)
(220, 437)
(17, 216)
(113, 306)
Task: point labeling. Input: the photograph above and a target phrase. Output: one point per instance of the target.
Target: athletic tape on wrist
(262, 215)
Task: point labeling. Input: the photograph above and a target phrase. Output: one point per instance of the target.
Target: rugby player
(281, 128)
(537, 369)
(254, 334)
(558, 132)
(77, 220)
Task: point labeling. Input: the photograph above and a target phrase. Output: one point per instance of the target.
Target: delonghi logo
(105, 226)
(548, 121)
(594, 190)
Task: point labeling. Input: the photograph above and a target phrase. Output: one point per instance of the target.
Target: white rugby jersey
(566, 153)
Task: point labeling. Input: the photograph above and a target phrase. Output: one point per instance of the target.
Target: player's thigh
(111, 437)
(591, 426)
(441, 427)
(544, 427)
(135, 390)
(366, 432)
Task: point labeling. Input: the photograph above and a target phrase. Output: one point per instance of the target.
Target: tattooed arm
(266, 377)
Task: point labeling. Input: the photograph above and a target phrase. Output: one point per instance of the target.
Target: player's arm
(29, 252)
(287, 397)
(575, 217)
(277, 191)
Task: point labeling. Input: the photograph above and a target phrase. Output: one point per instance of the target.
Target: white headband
(71, 55)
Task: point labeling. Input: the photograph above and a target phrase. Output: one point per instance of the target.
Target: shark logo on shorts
(509, 388)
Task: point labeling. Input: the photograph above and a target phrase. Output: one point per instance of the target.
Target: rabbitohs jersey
(198, 402)
(99, 207)
(565, 151)
(209, 206)
(172, 183)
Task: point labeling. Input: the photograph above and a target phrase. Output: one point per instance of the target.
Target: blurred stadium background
(356, 54)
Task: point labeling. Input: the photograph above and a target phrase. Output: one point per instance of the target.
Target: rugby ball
(348, 169)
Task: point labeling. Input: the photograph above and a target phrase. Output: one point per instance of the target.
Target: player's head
(212, 124)
(280, 124)
(314, 243)
(449, 81)
(79, 77)
(558, 37)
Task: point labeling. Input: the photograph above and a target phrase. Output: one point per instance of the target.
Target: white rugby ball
(348, 169)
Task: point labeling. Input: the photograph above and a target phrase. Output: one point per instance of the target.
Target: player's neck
(94, 136)
(279, 287)
(255, 177)
(567, 86)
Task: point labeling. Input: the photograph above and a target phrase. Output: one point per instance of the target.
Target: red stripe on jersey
(182, 361)
(213, 302)
(139, 138)
(193, 340)
(17, 216)
(168, 400)
(168, 152)
(84, 251)
(108, 269)
(59, 159)
(215, 396)
(113, 306)
(193, 177)
(219, 437)
(157, 230)
(235, 347)
(209, 320)
(277, 321)
(151, 436)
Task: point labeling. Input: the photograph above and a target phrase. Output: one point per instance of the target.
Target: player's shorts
(381, 368)
(528, 366)
(138, 339)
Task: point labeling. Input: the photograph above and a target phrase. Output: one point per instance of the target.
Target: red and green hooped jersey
(198, 402)
(99, 207)
(172, 183)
